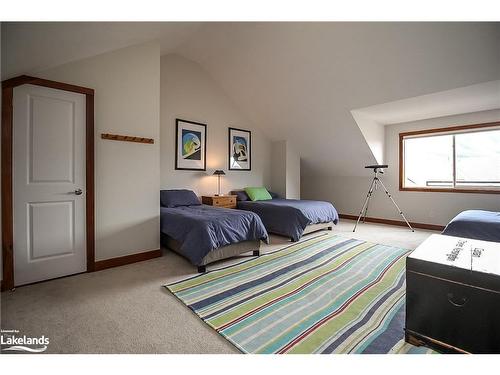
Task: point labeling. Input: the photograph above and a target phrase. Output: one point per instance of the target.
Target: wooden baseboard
(110, 263)
(127, 259)
(417, 339)
(395, 222)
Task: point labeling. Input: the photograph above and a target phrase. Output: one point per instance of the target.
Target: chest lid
(464, 260)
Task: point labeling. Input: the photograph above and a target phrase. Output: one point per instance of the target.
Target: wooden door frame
(7, 147)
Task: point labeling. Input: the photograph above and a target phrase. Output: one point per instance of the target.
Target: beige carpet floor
(126, 309)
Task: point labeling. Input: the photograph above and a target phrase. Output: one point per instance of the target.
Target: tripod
(374, 186)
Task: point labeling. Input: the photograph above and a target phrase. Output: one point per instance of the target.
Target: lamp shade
(219, 172)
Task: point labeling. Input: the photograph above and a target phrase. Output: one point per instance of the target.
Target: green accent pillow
(258, 193)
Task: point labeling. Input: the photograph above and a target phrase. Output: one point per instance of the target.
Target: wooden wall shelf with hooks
(127, 138)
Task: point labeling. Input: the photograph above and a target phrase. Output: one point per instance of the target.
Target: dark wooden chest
(453, 295)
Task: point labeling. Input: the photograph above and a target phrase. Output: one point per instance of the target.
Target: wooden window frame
(451, 129)
(7, 147)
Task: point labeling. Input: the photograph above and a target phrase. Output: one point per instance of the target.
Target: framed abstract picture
(190, 145)
(240, 150)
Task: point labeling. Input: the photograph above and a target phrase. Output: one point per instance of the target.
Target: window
(462, 158)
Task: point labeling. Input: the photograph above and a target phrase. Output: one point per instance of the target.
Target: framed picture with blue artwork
(190, 145)
(240, 149)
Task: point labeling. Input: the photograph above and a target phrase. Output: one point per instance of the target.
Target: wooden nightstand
(227, 201)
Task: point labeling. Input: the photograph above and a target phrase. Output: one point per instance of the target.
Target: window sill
(451, 190)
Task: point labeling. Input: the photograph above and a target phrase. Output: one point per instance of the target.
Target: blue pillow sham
(241, 195)
(274, 195)
(177, 198)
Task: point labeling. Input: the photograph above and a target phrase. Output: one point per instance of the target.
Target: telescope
(377, 168)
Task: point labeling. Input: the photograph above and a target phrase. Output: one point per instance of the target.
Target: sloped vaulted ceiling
(28, 47)
(299, 81)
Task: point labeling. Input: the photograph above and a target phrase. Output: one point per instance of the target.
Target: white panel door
(48, 183)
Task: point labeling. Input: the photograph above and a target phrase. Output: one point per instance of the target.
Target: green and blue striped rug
(328, 294)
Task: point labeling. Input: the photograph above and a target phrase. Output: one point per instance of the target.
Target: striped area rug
(328, 294)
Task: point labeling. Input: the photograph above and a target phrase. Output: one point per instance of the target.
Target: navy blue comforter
(476, 224)
(201, 229)
(289, 217)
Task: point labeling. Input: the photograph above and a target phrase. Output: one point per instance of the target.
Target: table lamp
(218, 173)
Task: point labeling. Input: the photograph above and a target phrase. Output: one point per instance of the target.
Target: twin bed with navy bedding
(290, 218)
(475, 224)
(204, 234)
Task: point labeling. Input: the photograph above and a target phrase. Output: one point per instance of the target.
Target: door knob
(78, 192)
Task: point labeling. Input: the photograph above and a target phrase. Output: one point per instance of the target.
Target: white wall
(286, 170)
(189, 93)
(127, 95)
(373, 134)
(348, 193)
(292, 172)
(278, 165)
